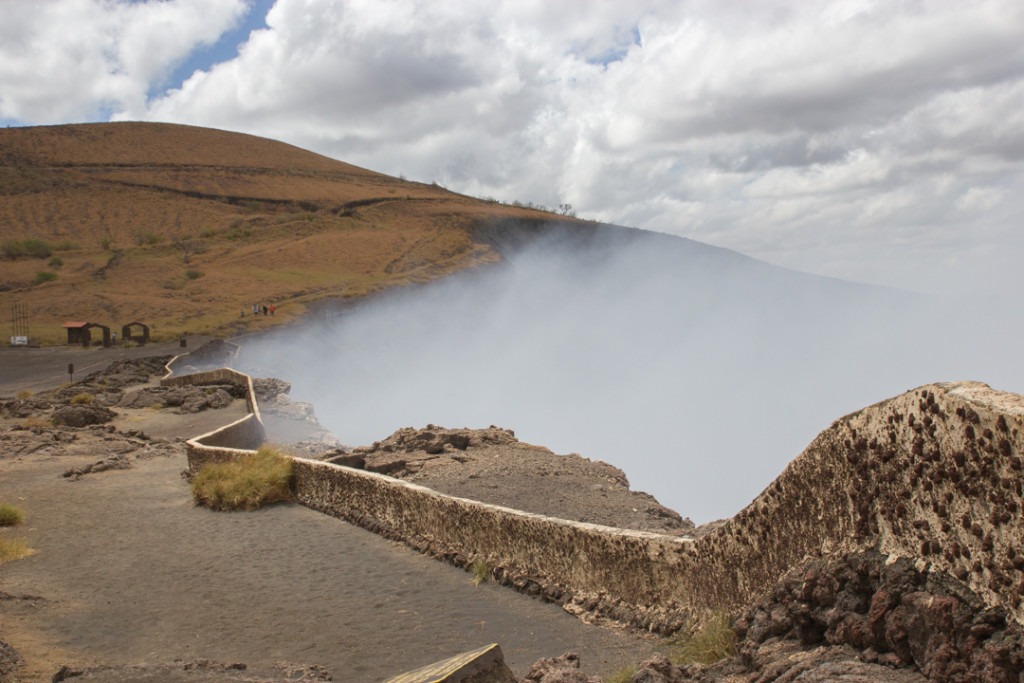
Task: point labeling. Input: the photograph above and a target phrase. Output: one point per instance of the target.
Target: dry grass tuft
(713, 641)
(35, 422)
(480, 571)
(23, 395)
(10, 515)
(248, 483)
(623, 675)
(82, 399)
(14, 548)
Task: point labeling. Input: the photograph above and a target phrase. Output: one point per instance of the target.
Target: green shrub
(43, 276)
(148, 238)
(23, 394)
(82, 399)
(31, 247)
(713, 641)
(246, 483)
(56, 262)
(10, 515)
(193, 274)
(107, 243)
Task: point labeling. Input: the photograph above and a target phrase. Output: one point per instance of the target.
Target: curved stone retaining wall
(933, 474)
(232, 440)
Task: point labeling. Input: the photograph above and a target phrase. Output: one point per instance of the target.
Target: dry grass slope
(183, 228)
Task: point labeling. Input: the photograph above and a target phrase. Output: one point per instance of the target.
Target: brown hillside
(183, 227)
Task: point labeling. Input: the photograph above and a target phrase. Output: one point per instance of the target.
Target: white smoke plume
(698, 371)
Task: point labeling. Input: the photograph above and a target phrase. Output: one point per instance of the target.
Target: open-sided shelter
(80, 333)
(136, 332)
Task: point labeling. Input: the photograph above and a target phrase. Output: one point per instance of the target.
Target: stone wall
(628, 575)
(933, 475)
(232, 440)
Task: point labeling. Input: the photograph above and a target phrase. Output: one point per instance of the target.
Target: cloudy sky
(875, 141)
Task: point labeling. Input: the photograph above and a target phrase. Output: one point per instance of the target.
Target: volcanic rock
(269, 388)
(491, 465)
(81, 415)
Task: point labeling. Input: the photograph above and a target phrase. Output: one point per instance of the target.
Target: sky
(880, 142)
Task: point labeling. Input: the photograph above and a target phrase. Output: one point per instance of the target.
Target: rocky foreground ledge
(492, 466)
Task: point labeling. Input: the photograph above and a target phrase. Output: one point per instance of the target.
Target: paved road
(39, 369)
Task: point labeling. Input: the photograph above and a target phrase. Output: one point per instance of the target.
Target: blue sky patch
(225, 49)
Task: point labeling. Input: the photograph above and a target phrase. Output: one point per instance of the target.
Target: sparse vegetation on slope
(263, 222)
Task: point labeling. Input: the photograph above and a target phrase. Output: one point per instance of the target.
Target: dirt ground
(128, 570)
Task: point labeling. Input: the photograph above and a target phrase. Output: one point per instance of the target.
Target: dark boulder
(82, 415)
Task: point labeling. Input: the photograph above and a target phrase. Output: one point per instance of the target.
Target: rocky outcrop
(114, 462)
(562, 669)
(779, 661)
(934, 474)
(491, 465)
(122, 373)
(863, 617)
(293, 422)
(196, 671)
(892, 612)
(10, 660)
(433, 440)
(82, 415)
(269, 388)
(25, 407)
(187, 399)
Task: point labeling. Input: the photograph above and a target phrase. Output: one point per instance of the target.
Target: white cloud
(72, 60)
(776, 129)
(980, 198)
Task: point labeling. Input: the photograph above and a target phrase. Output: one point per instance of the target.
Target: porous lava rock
(892, 613)
(196, 671)
(22, 408)
(82, 415)
(124, 372)
(863, 617)
(562, 669)
(188, 399)
(114, 462)
(269, 388)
